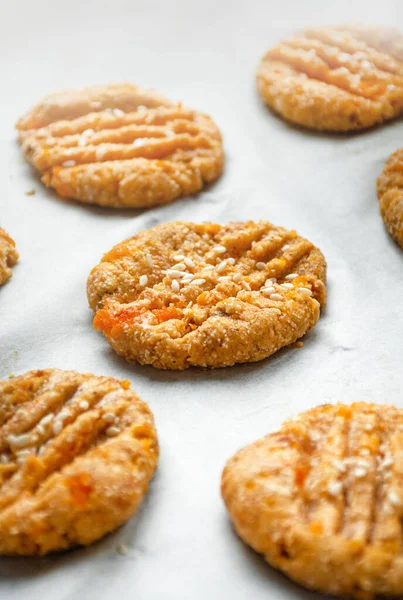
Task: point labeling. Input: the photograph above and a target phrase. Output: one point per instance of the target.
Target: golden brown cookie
(390, 194)
(8, 256)
(322, 499)
(335, 78)
(120, 146)
(185, 294)
(76, 455)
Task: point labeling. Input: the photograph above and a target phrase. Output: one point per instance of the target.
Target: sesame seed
(57, 427)
(173, 273)
(18, 440)
(189, 262)
(224, 278)
(179, 267)
(394, 498)
(334, 488)
(276, 297)
(362, 462)
(118, 113)
(219, 249)
(179, 257)
(267, 290)
(112, 431)
(199, 281)
(209, 268)
(260, 266)
(22, 455)
(100, 152)
(287, 286)
(143, 280)
(63, 414)
(222, 266)
(231, 261)
(109, 418)
(271, 280)
(187, 278)
(237, 277)
(339, 465)
(246, 286)
(387, 462)
(286, 247)
(42, 450)
(84, 404)
(149, 259)
(360, 472)
(175, 285)
(291, 276)
(139, 142)
(46, 419)
(305, 291)
(68, 163)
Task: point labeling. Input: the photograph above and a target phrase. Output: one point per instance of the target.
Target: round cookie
(322, 499)
(76, 455)
(335, 78)
(121, 146)
(186, 294)
(8, 256)
(390, 194)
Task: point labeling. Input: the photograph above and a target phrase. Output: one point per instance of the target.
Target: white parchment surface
(181, 545)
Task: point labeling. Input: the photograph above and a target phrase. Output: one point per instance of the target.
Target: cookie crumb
(30, 192)
(122, 549)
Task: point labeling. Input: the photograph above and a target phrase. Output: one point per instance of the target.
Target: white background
(205, 53)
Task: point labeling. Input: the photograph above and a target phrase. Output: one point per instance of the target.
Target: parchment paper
(181, 544)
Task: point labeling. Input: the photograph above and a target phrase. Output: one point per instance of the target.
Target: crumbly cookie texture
(336, 78)
(390, 194)
(186, 294)
(121, 146)
(322, 499)
(76, 455)
(8, 256)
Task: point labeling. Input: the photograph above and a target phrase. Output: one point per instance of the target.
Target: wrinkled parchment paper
(181, 544)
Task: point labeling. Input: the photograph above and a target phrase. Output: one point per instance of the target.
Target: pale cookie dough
(322, 499)
(186, 294)
(335, 78)
(8, 256)
(390, 194)
(121, 146)
(76, 455)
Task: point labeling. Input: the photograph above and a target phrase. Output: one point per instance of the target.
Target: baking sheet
(205, 53)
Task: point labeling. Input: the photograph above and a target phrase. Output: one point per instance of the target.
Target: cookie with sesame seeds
(77, 452)
(390, 194)
(120, 146)
(184, 294)
(322, 499)
(335, 78)
(8, 256)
